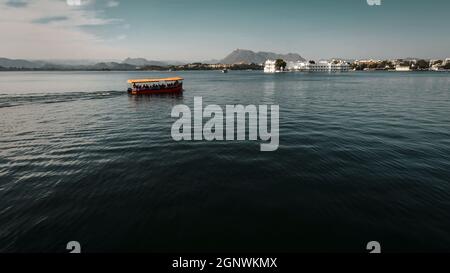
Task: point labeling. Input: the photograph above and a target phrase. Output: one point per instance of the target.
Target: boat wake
(8, 100)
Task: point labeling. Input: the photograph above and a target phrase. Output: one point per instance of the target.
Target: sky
(197, 30)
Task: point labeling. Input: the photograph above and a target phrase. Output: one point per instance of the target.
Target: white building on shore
(270, 67)
(322, 66)
(402, 68)
(338, 66)
(311, 66)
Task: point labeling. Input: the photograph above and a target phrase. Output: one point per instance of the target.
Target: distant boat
(225, 71)
(155, 86)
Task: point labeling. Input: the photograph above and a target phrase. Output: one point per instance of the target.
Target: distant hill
(11, 63)
(248, 56)
(143, 62)
(211, 61)
(112, 66)
(78, 62)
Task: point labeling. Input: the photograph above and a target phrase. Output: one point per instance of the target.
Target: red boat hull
(158, 91)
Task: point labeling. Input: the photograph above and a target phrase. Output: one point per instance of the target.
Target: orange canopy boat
(155, 86)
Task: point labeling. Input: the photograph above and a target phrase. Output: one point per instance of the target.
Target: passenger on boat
(154, 86)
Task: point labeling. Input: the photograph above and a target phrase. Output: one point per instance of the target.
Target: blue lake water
(362, 157)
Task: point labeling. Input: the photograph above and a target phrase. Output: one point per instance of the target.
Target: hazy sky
(206, 29)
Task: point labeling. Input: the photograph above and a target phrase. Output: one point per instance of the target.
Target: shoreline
(218, 70)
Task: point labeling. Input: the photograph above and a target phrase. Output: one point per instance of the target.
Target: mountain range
(143, 62)
(248, 56)
(10, 63)
(239, 56)
(127, 64)
(6, 64)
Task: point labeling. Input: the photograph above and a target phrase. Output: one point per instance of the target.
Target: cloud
(47, 20)
(29, 31)
(17, 3)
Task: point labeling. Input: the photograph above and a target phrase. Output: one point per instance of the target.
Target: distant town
(337, 65)
(239, 59)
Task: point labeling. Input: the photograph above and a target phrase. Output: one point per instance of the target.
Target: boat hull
(159, 91)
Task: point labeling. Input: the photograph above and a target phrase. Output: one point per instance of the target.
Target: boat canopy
(156, 80)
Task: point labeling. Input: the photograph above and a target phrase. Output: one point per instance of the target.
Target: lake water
(362, 157)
